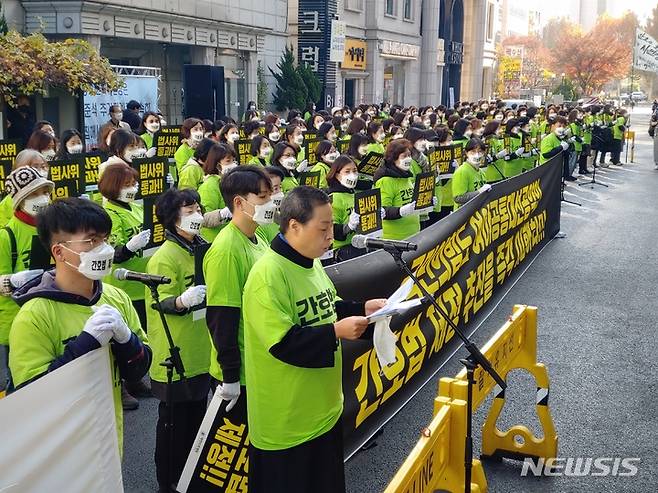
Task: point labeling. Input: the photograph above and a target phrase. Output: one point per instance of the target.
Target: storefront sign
(455, 53)
(355, 54)
(396, 48)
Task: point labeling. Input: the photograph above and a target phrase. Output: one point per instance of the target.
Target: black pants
(312, 467)
(582, 162)
(616, 153)
(187, 418)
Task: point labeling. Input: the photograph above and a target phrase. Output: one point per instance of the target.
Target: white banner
(337, 49)
(645, 53)
(59, 432)
(143, 89)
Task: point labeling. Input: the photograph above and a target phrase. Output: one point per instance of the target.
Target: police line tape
(437, 460)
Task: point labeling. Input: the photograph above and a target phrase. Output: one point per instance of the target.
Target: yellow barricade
(629, 135)
(437, 460)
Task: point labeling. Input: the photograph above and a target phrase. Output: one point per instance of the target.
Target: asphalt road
(596, 291)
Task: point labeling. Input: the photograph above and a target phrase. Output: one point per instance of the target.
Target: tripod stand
(173, 362)
(475, 359)
(593, 180)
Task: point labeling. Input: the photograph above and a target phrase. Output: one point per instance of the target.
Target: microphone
(128, 275)
(362, 241)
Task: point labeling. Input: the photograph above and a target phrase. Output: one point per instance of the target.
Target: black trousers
(582, 161)
(187, 418)
(616, 153)
(312, 467)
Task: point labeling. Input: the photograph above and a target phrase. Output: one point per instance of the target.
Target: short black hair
(167, 207)
(300, 204)
(133, 105)
(275, 171)
(203, 148)
(72, 215)
(250, 127)
(242, 181)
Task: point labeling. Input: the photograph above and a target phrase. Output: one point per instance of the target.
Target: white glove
(564, 145)
(302, 166)
(435, 201)
(572, 139)
(20, 278)
(353, 221)
(484, 188)
(170, 179)
(99, 326)
(151, 152)
(519, 152)
(535, 152)
(225, 214)
(121, 332)
(382, 212)
(408, 210)
(84, 196)
(229, 392)
(139, 241)
(501, 154)
(193, 296)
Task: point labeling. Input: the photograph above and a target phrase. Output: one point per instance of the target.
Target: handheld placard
(368, 204)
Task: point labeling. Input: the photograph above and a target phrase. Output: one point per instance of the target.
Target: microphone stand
(173, 362)
(475, 359)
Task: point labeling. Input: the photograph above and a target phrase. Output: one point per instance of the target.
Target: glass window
(390, 7)
(407, 9)
(490, 21)
(354, 5)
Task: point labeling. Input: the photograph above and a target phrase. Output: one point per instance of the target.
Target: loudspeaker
(203, 92)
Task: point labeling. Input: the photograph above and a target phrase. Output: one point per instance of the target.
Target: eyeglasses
(93, 242)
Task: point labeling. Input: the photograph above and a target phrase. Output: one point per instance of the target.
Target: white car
(638, 96)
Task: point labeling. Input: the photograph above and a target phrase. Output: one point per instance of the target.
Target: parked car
(638, 96)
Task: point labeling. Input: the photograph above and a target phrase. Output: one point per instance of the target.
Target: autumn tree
(594, 58)
(30, 64)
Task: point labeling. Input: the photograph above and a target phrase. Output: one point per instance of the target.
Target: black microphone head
(120, 274)
(359, 241)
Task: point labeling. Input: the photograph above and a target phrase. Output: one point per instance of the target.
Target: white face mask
(344, 127)
(522, 114)
(468, 133)
(263, 213)
(48, 154)
(197, 136)
(331, 157)
(275, 136)
(429, 145)
(397, 136)
(299, 139)
(95, 264)
(499, 118)
(420, 146)
(559, 131)
(380, 137)
(404, 163)
(289, 163)
(74, 149)
(349, 181)
(43, 173)
(117, 116)
(427, 123)
(139, 153)
(363, 150)
(265, 151)
(153, 127)
(128, 194)
(191, 223)
(474, 159)
(277, 198)
(34, 205)
(232, 137)
(228, 167)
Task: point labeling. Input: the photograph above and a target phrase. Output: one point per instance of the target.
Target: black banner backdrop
(464, 260)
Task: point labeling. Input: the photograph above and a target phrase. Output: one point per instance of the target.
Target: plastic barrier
(437, 460)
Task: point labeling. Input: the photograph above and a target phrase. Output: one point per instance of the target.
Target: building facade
(234, 34)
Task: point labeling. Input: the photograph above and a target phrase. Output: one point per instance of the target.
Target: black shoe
(128, 402)
(139, 389)
(571, 178)
(584, 172)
